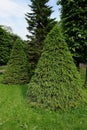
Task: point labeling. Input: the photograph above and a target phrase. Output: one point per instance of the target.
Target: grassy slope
(15, 114)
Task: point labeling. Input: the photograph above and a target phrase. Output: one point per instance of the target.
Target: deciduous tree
(74, 18)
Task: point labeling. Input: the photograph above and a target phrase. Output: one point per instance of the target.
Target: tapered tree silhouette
(56, 83)
(17, 67)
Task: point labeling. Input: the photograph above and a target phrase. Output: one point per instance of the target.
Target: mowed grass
(15, 113)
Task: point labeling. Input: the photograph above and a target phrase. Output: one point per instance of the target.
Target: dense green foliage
(74, 18)
(17, 67)
(5, 46)
(39, 24)
(16, 114)
(7, 40)
(56, 82)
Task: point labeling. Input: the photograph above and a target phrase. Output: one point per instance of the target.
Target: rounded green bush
(6, 44)
(56, 83)
(17, 67)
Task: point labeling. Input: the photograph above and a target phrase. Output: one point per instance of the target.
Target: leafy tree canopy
(5, 46)
(74, 18)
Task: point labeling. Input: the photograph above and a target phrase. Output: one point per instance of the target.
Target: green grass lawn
(15, 113)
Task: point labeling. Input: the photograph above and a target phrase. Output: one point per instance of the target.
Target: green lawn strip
(15, 113)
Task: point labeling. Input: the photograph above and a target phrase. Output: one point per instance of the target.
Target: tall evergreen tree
(74, 17)
(56, 83)
(39, 24)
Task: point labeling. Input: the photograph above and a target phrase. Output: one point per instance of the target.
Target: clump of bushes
(56, 83)
(17, 71)
(5, 46)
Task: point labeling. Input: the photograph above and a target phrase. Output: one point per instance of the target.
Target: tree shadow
(24, 89)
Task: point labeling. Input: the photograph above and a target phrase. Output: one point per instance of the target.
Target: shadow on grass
(1, 78)
(24, 89)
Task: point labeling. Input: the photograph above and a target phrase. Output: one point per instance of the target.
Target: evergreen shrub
(56, 83)
(17, 68)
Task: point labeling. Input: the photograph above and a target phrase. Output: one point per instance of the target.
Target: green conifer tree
(39, 24)
(56, 82)
(17, 67)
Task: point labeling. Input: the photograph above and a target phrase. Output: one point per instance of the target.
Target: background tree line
(7, 40)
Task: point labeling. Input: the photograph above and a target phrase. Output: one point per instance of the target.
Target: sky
(12, 13)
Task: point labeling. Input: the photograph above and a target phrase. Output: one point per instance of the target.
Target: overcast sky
(12, 13)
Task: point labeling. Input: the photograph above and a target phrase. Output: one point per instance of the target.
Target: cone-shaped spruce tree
(17, 67)
(56, 82)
